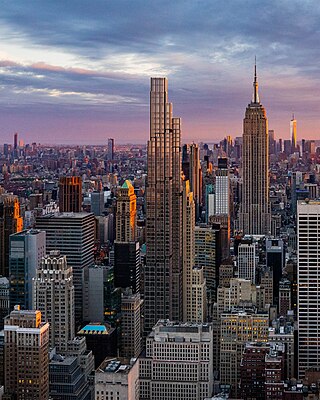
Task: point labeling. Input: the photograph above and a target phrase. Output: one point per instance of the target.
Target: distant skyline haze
(79, 72)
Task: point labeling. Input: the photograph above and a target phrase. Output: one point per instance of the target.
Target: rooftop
(98, 329)
(62, 215)
(117, 365)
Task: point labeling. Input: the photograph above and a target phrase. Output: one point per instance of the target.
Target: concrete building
(73, 234)
(247, 262)
(226, 272)
(284, 333)
(194, 285)
(67, 380)
(255, 218)
(240, 291)
(284, 297)
(262, 371)
(237, 328)
(77, 347)
(53, 292)
(308, 215)
(178, 363)
(26, 251)
(117, 379)
(4, 300)
(222, 188)
(26, 344)
(131, 324)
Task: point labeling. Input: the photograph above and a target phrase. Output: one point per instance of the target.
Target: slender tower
(293, 134)
(163, 272)
(255, 216)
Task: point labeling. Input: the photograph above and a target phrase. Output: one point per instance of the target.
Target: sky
(78, 71)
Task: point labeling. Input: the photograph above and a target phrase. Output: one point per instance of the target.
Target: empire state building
(255, 218)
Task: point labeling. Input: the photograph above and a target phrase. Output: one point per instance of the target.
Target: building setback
(163, 271)
(54, 297)
(255, 216)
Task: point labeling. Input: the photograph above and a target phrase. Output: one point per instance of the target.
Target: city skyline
(73, 70)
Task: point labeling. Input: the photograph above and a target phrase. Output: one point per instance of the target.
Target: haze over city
(79, 72)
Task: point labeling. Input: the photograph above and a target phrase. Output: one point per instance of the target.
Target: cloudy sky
(78, 71)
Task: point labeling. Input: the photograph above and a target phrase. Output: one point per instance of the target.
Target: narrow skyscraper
(255, 216)
(293, 134)
(163, 278)
(126, 216)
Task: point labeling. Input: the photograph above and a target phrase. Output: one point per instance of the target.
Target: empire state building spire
(255, 97)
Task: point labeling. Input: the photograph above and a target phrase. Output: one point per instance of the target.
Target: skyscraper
(308, 219)
(192, 171)
(194, 287)
(73, 234)
(293, 134)
(15, 144)
(10, 222)
(54, 297)
(126, 214)
(247, 261)
(110, 155)
(97, 203)
(163, 277)
(26, 341)
(70, 194)
(222, 188)
(255, 216)
(126, 248)
(26, 250)
(131, 311)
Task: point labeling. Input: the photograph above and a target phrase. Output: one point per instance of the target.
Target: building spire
(255, 97)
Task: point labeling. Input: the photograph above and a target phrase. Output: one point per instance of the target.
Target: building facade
(178, 363)
(126, 214)
(247, 261)
(53, 293)
(70, 194)
(237, 328)
(163, 276)
(10, 222)
(255, 216)
(131, 324)
(74, 235)
(308, 217)
(26, 341)
(26, 251)
(194, 289)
